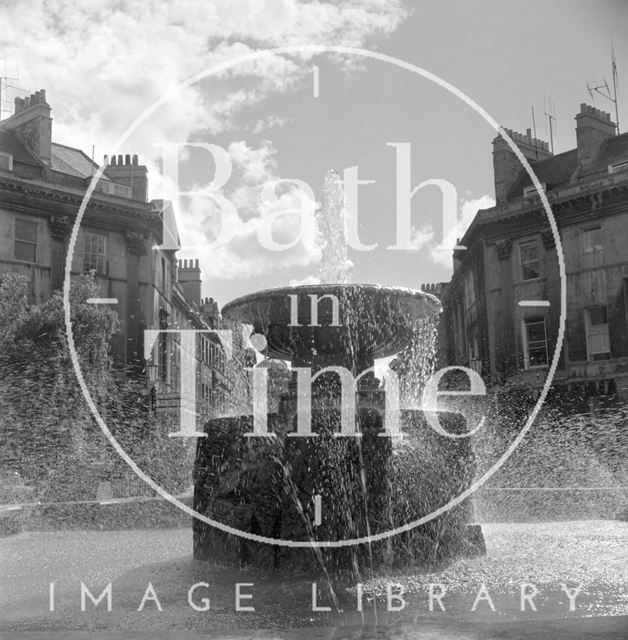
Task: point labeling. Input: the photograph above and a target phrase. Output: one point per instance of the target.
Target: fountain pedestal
(367, 484)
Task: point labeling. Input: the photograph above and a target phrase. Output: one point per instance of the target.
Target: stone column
(59, 227)
(134, 320)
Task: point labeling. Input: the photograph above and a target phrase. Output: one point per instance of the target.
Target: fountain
(346, 476)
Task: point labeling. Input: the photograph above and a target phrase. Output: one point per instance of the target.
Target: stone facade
(511, 258)
(42, 184)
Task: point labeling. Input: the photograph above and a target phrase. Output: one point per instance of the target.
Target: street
(131, 560)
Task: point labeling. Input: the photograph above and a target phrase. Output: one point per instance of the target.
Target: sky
(103, 63)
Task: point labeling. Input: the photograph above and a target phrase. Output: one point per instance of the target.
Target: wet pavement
(551, 556)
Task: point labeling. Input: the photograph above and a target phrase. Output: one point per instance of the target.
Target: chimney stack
(189, 275)
(211, 313)
(32, 123)
(593, 127)
(506, 165)
(128, 172)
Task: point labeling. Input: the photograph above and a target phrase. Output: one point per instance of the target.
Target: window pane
(536, 342)
(94, 257)
(538, 356)
(592, 239)
(94, 243)
(596, 237)
(529, 252)
(25, 251)
(598, 315)
(6, 161)
(530, 271)
(536, 330)
(599, 342)
(25, 230)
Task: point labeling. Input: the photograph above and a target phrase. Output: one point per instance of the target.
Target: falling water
(368, 484)
(413, 365)
(335, 266)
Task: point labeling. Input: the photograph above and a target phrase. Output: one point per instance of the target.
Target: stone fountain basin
(375, 321)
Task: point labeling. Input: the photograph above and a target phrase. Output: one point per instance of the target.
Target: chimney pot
(190, 282)
(105, 160)
(196, 264)
(506, 165)
(129, 173)
(42, 95)
(112, 163)
(35, 127)
(593, 127)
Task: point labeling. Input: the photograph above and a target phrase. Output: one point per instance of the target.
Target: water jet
(364, 486)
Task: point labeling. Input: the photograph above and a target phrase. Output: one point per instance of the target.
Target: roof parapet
(527, 138)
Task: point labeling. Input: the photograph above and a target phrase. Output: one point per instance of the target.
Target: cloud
(468, 210)
(263, 232)
(420, 236)
(270, 122)
(103, 62)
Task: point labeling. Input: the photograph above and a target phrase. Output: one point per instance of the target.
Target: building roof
(614, 149)
(552, 172)
(72, 161)
(561, 168)
(556, 172)
(64, 159)
(10, 143)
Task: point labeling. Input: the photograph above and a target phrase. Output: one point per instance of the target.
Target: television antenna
(605, 91)
(9, 84)
(550, 114)
(5, 85)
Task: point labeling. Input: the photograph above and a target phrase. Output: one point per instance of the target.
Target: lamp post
(152, 371)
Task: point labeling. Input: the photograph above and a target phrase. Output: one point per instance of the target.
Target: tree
(46, 430)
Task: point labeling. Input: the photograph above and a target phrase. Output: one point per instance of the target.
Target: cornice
(612, 200)
(44, 201)
(101, 202)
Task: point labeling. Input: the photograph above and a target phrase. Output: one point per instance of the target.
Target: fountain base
(321, 487)
(366, 486)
